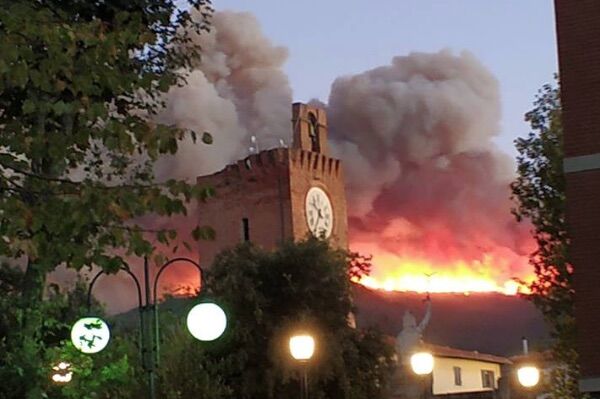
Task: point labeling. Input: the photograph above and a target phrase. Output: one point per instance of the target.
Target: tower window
(313, 133)
(245, 229)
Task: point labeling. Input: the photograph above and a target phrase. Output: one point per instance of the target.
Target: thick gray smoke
(424, 178)
(236, 91)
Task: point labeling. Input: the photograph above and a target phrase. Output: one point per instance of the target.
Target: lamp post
(422, 365)
(205, 321)
(528, 375)
(302, 348)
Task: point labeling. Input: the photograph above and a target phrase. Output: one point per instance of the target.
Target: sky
(514, 39)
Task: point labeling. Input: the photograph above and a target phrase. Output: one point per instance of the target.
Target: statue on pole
(411, 334)
(407, 342)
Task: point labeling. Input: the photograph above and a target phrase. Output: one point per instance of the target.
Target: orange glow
(439, 284)
(392, 273)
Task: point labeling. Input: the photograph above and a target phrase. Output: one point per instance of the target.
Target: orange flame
(393, 273)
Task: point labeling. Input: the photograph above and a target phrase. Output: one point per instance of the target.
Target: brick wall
(583, 213)
(257, 188)
(308, 169)
(300, 122)
(578, 34)
(269, 189)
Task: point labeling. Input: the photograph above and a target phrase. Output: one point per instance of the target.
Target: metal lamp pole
(422, 364)
(302, 348)
(149, 329)
(304, 382)
(528, 374)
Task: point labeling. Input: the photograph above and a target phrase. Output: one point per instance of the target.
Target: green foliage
(102, 375)
(268, 296)
(186, 368)
(107, 374)
(539, 192)
(79, 84)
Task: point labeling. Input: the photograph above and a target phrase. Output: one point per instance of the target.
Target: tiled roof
(446, 351)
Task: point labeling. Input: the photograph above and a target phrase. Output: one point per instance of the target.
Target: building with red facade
(578, 33)
(279, 194)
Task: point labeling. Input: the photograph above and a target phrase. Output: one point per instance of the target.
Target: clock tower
(278, 194)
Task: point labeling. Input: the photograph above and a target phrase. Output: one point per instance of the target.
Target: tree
(108, 374)
(268, 296)
(539, 192)
(187, 369)
(79, 84)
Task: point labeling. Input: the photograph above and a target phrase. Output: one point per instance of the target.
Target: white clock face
(319, 213)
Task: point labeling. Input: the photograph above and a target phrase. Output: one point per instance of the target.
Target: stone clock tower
(279, 194)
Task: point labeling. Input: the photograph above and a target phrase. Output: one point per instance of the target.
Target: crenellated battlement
(251, 168)
(315, 161)
(266, 163)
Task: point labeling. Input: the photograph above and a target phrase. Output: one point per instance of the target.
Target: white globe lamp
(422, 363)
(206, 321)
(528, 376)
(302, 347)
(90, 334)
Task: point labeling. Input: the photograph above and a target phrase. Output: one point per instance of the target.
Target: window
(487, 379)
(457, 376)
(245, 229)
(313, 133)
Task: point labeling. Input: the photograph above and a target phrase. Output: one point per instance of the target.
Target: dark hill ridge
(487, 322)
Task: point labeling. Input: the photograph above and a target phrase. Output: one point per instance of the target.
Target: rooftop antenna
(525, 345)
(254, 145)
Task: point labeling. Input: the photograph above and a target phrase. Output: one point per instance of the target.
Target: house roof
(446, 351)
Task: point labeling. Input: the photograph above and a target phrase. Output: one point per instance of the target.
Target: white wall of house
(470, 370)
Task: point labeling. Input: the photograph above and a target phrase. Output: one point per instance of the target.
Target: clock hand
(317, 221)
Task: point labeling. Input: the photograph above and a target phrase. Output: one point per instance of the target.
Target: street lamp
(302, 348)
(90, 334)
(205, 321)
(422, 365)
(528, 376)
(61, 373)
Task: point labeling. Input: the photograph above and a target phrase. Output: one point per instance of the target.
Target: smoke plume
(425, 181)
(427, 188)
(237, 90)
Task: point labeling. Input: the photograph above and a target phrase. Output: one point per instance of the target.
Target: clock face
(319, 213)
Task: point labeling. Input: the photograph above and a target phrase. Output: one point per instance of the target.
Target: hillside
(491, 323)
